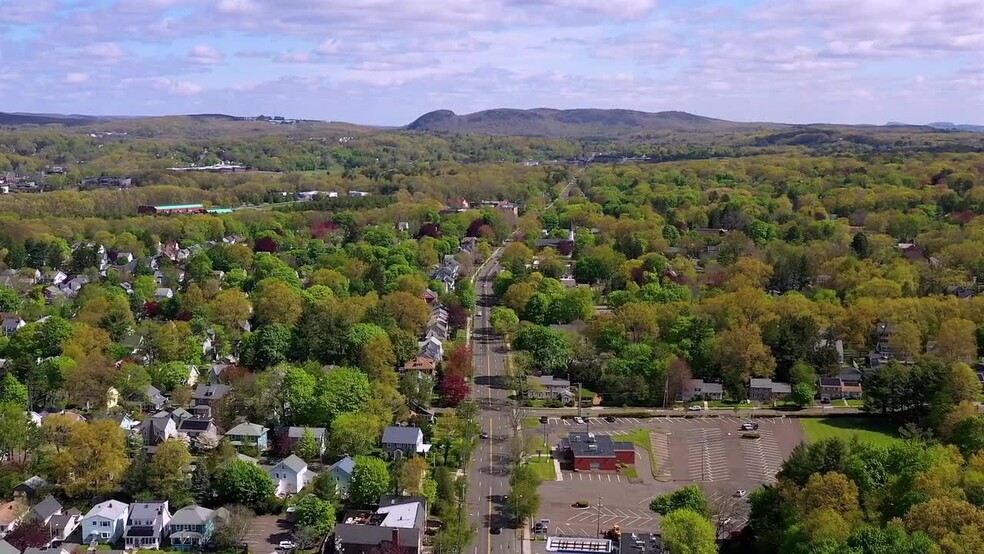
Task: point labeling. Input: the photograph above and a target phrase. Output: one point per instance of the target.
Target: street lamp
(598, 532)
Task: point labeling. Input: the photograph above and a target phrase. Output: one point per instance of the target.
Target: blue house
(191, 527)
(249, 434)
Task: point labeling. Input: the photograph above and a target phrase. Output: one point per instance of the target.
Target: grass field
(544, 468)
(531, 422)
(640, 438)
(877, 431)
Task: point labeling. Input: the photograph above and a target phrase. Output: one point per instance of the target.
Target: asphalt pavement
(488, 472)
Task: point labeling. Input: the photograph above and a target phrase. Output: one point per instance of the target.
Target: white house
(407, 440)
(105, 522)
(63, 525)
(291, 475)
(146, 525)
(342, 471)
(163, 293)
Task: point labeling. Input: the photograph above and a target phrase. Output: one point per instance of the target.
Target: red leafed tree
(151, 309)
(30, 533)
(265, 244)
(429, 230)
(454, 390)
(457, 316)
(460, 362)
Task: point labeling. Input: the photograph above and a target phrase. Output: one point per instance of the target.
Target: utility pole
(598, 532)
(578, 399)
(546, 445)
(666, 389)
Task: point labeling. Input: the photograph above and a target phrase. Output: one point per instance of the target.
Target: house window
(104, 535)
(104, 523)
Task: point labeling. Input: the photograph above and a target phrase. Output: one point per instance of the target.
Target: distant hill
(943, 126)
(46, 119)
(580, 123)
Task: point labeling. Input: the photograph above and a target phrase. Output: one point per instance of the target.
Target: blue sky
(388, 61)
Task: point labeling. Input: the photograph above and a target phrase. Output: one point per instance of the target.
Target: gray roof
(401, 435)
(345, 465)
(47, 507)
(551, 381)
(110, 509)
(589, 445)
(296, 464)
(205, 392)
(298, 432)
(7, 548)
(35, 482)
(192, 515)
(247, 430)
(147, 510)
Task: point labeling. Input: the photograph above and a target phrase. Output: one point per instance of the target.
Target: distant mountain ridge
(943, 125)
(583, 123)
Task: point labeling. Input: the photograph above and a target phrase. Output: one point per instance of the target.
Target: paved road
(488, 473)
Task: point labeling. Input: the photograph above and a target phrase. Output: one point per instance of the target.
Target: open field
(868, 429)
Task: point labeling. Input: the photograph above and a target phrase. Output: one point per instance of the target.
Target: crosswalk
(762, 457)
(706, 458)
(592, 476)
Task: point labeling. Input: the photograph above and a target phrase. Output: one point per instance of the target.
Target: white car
(578, 420)
(741, 493)
(286, 545)
(694, 408)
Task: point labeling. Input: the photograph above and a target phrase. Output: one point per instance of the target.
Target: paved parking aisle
(706, 458)
(762, 457)
(660, 444)
(593, 477)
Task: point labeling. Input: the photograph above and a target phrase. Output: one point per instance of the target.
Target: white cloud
(105, 51)
(205, 55)
(76, 78)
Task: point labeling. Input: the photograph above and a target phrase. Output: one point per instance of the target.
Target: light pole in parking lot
(598, 532)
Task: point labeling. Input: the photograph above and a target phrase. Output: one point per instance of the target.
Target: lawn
(640, 438)
(869, 429)
(544, 468)
(630, 472)
(531, 422)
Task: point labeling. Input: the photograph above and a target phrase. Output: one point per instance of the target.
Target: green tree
(307, 446)
(12, 391)
(276, 302)
(550, 350)
(268, 346)
(688, 532)
(245, 482)
(317, 513)
(343, 389)
(94, 459)
(15, 430)
(968, 435)
(690, 497)
(167, 472)
(354, 433)
(10, 301)
(803, 394)
(504, 321)
(370, 479)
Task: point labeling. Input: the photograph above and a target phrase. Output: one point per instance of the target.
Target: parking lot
(709, 451)
(265, 532)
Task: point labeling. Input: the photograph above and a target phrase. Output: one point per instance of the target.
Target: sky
(386, 62)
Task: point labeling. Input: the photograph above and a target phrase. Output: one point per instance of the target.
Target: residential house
(157, 429)
(430, 297)
(342, 471)
(30, 488)
(63, 525)
(291, 475)
(697, 389)
(884, 351)
(437, 329)
(548, 387)
(45, 550)
(146, 525)
(209, 395)
(155, 399)
(46, 509)
(406, 440)
(249, 434)
(215, 372)
(399, 521)
(53, 277)
(320, 435)
(11, 513)
(766, 390)
(432, 348)
(105, 522)
(420, 364)
(193, 427)
(191, 527)
(11, 323)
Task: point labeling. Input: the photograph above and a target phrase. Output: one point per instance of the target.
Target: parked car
(741, 493)
(578, 420)
(749, 426)
(694, 408)
(286, 545)
(610, 419)
(485, 434)
(825, 401)
(543, 419)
